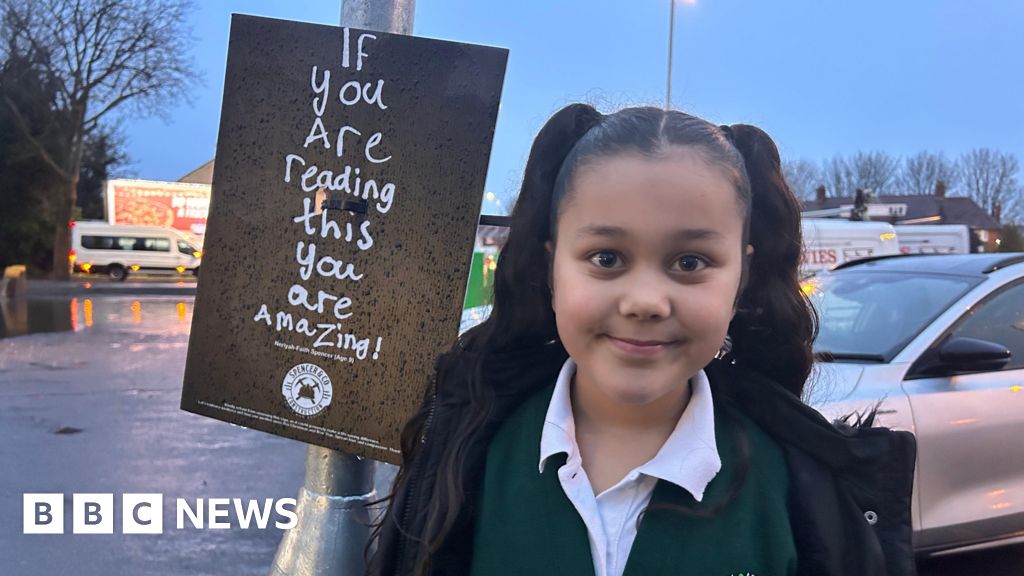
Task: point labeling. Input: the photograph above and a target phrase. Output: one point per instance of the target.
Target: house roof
(950, 209)
(201, 175)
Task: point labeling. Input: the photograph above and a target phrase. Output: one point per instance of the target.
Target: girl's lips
(639, 347)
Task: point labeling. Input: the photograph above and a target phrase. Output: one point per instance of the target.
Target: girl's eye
(605, 259)
(691, 263)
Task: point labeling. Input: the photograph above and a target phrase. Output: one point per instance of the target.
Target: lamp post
(671, 32)
(671, 35)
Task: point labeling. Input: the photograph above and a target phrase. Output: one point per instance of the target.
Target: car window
(98, 242)
(128, 243)
(153, 244)
(998, 319)
(871, 316)
(185, 248)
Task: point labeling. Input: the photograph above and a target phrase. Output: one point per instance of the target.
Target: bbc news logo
(144, 513)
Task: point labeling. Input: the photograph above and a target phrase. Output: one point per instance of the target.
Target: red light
(71, 252)
(71, 224)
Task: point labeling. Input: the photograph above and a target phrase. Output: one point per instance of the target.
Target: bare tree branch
(990, 179)
(92, 121)
(874, 170)
(39, 147)
(923, 170)
(99, 56)
(837, 176)
(803, 177)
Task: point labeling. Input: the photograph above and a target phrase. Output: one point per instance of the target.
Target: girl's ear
(748, 253)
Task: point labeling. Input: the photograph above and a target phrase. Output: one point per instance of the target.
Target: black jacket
(850, 485)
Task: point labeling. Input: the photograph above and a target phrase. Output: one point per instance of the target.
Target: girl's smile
(640, 348)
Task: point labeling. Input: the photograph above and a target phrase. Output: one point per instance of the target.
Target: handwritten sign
(349, 177)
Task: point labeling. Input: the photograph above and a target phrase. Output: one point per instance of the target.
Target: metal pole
(393, 16)
(333, 520)
(671, 31)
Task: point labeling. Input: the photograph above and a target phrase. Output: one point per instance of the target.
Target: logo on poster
(307, 389)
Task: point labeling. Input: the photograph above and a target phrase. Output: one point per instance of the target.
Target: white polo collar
(689, 458)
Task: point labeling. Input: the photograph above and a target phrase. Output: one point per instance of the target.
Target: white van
(118, 250)
(828, 243)
(934, 238)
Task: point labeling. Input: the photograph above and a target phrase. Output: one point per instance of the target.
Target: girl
(632, 404)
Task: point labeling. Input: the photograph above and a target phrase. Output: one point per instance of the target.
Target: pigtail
(775, 323)
(521, 282)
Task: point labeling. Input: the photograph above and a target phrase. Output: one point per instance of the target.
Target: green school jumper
(526, 526)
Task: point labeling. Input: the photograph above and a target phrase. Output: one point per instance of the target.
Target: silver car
(939, 342)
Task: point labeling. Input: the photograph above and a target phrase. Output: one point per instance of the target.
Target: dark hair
(772, 330)
(652, 132)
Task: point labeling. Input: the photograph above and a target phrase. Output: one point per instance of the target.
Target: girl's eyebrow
(697, 234)
(617, 232)
(601, 230)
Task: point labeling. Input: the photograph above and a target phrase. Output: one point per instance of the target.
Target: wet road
(93, 407)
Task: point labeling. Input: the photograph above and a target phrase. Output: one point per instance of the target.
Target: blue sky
(822, 77)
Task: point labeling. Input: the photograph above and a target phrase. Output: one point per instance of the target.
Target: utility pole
(333, 519)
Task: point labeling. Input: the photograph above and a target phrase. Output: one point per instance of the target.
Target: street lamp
(497, 201)
(671, 33)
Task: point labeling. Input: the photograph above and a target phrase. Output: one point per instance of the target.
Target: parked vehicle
(938, 343)
(933, 238)
(118, 250)
(829, 243)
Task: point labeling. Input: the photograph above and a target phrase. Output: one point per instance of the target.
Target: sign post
(350, 172)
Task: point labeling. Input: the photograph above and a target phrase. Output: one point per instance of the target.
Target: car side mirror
(973, 355)
(962, 355)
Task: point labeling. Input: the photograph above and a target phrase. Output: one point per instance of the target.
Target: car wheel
(117, 272)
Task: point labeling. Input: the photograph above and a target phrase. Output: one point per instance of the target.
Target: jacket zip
(414, 475)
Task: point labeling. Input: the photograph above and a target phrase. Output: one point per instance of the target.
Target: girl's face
(645, 271)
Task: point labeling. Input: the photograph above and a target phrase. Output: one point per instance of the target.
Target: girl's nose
(645, 299)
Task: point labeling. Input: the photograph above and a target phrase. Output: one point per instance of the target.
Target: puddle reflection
(159, 314)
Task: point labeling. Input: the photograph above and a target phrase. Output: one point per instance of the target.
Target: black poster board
(349, 176)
